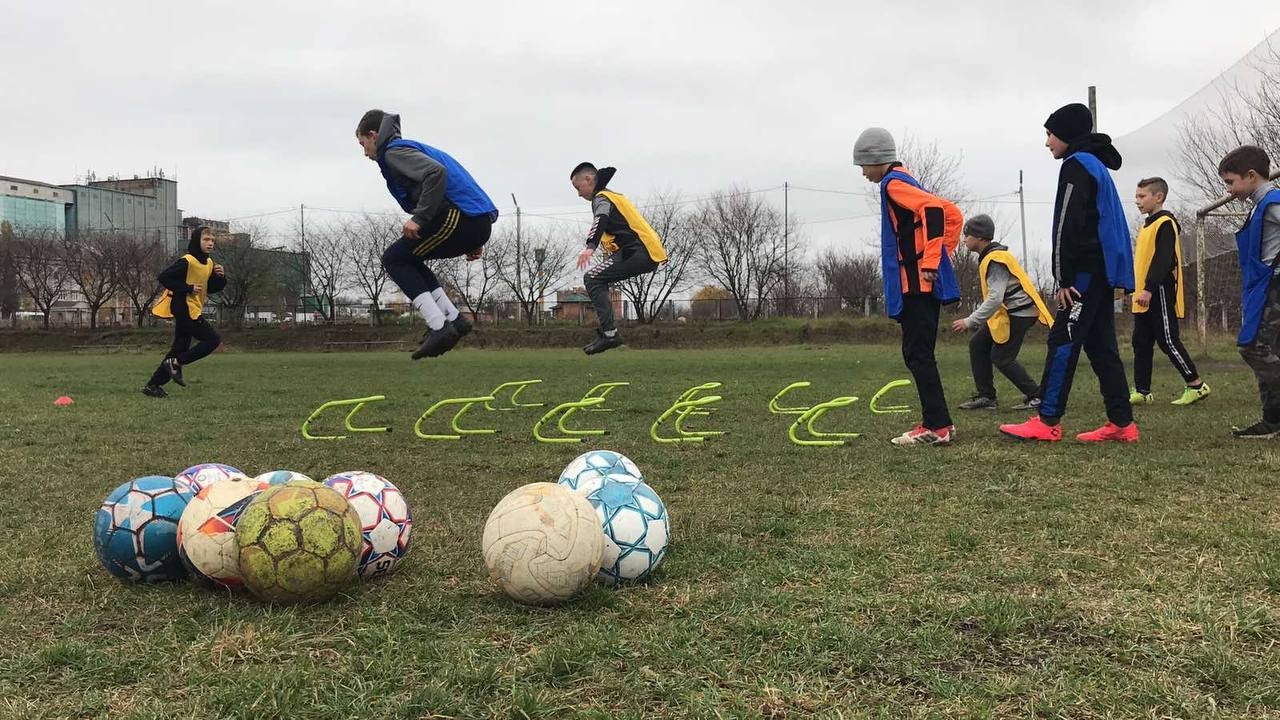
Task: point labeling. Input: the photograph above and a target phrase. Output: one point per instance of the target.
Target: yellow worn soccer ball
(298, 542)
(542, 544)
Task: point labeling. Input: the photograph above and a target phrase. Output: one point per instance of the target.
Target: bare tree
(40, 267)
(1244, 115)
(937, 171)
(8, 273)
(545, 262)
(140, 261)
(93, 264)
(673, 222)
(740, 247)
(476, 281)
(365, 238)
(248, 272)
(854, 277)
(800, 293)
(324, 246)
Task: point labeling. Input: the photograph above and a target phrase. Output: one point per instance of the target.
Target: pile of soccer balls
(545, 542)
(284, 536)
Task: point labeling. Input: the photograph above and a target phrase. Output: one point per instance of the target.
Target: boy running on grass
(187, 283)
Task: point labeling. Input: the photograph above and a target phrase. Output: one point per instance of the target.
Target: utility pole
(519, 295)
(1093, 105)
(302, 223)
(786, 246)
(1022, 208)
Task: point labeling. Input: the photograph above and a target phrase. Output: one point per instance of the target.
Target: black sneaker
(1261, 430)
(175, 370)
(1031, 403)
(437, 342)
(154, 391)
(978, 402)
(462, 326)
(603, 342)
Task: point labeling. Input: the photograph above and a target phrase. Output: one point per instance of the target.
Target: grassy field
(988, 579)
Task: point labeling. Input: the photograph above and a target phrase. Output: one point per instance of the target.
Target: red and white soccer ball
(385, 519)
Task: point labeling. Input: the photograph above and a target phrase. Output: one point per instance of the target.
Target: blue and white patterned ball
(589, 467)
(280, 477)
(199, 477)
(135, 532)
(635, 524)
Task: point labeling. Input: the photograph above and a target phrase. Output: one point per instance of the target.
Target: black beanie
(193, 245)
(1070, 122)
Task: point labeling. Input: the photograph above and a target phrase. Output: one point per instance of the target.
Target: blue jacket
(1113, 228)
(460, 188)
(1255, 275)
(901, 255)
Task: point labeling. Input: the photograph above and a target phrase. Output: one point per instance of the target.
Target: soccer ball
(542, 544)
(385, 519)
(199, 477)
(298, 542)
(135, 532)
(206, 532)
(589, 467)
(280, 477)
(636, 529)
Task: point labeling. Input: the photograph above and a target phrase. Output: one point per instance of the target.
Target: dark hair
(197, 232)
(1157, 184)
(581, 168)
(1245, 158)
(370, 122)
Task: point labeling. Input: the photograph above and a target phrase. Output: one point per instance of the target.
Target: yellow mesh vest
(999, 322)
(1146, 251)
(640, 226)
(197, 274)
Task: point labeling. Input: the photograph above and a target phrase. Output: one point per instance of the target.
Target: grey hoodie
(424, 177)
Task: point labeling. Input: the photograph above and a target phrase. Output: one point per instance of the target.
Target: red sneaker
(1033, 429)
(1111, 433)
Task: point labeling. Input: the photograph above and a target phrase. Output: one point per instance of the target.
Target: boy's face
(585, 184)
(974, 244)
(1241, 186)
(206, 242)
(369, 143)
(1148, 200)
(1055, 144)
(874, 173)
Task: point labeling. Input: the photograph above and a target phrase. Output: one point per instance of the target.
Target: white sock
(610, 333)
(445, 304)
(429, 311)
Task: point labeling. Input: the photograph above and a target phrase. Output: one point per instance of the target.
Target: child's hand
(930, 275)
(196, 287)
(217, 270)
(475, 254)
(411, 229)
(584, 257)
(1067, 297)
(1142, 299)
(959, 326)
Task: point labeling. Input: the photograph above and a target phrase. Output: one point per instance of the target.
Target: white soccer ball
(636, 528)
(385, 520)
(199, 477)
(587, 469)
(542, 544)
(207, 530)
(280, 477)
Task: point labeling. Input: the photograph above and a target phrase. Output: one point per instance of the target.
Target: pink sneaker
(1033, 429)
(922, 435)
(1111, 433)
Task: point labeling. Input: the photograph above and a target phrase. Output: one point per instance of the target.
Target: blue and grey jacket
(423, 179)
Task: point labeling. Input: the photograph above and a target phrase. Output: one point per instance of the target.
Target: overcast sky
(253, 105)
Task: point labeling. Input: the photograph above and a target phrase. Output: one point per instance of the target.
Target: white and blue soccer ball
(280, 477)
(135, 531)
(199, 477)
(635, 524)
(586, 470)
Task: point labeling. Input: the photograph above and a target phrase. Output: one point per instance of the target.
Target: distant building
(144, 206)
(30, 203)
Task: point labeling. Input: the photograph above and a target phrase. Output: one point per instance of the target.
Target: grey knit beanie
(981, 226)
(874, 147)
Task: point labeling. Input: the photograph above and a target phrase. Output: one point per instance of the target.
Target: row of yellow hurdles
(669, 427)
